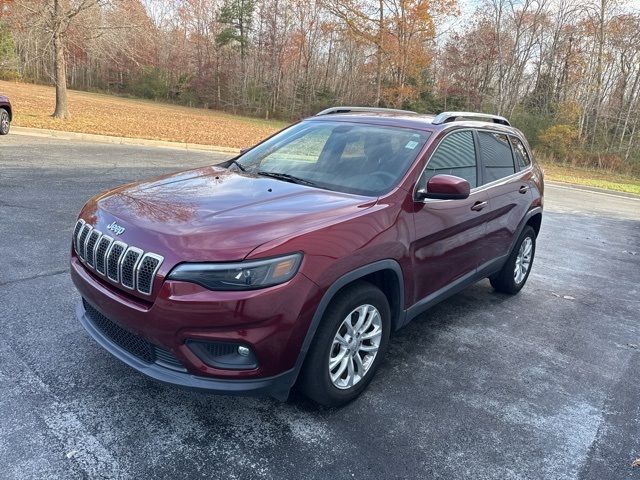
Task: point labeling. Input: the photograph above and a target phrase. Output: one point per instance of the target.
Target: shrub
(559, 141)
(568, 112)
(9, 75)
(150, 84)
(530, 123)
(8, 58)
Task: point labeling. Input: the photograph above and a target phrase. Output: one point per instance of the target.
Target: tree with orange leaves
(403, 34)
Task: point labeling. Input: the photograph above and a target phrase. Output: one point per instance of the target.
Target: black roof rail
(446, 117)
(332, 110)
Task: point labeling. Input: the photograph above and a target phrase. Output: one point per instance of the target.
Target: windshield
(346, 157)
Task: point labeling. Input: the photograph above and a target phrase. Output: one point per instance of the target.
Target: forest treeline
(566, 72)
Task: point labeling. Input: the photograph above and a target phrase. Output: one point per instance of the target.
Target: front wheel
(4, 122)
(348, 346)
(516, 270)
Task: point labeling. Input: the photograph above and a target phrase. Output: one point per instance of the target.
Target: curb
(90, 137)
(588, 188)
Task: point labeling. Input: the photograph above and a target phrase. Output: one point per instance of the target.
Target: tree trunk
(599, 61)
(379, 54)
(62, 102)
(60, 69)
(498, 29)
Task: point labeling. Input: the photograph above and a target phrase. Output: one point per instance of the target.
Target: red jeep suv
(293, 262)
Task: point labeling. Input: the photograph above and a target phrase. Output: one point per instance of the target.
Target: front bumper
(273, 322)
(277, 386)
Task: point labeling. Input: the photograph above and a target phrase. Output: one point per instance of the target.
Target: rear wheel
(516, 270)
(348, 346)
(4, 122)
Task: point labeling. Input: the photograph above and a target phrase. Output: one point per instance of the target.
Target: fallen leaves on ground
(124, 117)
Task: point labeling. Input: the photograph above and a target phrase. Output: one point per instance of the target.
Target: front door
(449, 234)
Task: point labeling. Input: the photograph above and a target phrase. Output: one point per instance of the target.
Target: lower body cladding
(224, 342)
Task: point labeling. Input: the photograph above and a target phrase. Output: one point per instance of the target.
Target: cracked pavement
(485, 386)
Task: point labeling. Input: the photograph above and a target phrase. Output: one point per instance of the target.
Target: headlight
(239, 276)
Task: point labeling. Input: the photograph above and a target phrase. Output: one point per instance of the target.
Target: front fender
(334, 288)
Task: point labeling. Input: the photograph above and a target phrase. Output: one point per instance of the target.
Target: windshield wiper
(237, 164)
(288, 178)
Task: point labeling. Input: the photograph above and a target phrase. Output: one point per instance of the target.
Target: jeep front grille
(84, 231)
(121, 263)
(113, 260)
(92, 239)
(76, 231)
(128, 266)
(101, 253)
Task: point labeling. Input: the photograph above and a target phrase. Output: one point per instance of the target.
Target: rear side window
(522, 157)
(456, 155)
(495, 153)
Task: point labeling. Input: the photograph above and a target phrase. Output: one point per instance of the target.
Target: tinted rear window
(522, 157)
(495, 153)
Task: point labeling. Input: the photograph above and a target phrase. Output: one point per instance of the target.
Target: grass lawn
(592, 178)
(133, 118)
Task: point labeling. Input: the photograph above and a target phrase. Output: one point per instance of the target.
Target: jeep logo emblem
(115, 228)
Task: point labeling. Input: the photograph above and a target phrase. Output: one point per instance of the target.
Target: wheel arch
(535, 221)
(384, 274)
(533, 218)
(9, 111)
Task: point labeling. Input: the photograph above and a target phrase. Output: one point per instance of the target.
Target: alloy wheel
(4, 122)
(523, 260)
(355, 346)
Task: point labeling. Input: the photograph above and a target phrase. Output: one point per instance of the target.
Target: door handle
(478, 206)
(523, 189)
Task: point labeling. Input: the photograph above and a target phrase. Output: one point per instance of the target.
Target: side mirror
(245, 150)
(445, 187)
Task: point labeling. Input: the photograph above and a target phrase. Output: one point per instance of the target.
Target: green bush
(8, 58)
(531, 124)
(152, 84)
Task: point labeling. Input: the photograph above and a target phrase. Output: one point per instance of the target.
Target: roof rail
(446, 117)
(332, 110)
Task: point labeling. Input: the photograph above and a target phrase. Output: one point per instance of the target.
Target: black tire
(4, 121)
(315, 381)
(504, 281)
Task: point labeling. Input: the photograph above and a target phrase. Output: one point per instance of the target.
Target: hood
(212, 214)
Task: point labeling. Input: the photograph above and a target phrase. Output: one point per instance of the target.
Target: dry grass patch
(123, 117)
(592, 178)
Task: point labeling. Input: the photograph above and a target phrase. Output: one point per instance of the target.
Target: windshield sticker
(411, 145)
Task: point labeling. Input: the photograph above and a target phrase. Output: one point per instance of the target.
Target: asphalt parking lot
(484, 386)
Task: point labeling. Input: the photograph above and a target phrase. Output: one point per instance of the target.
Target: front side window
(522, 157)
(455, 155)
(495, 153)
(347, 157)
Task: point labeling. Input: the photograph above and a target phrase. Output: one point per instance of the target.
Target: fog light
(225, 355)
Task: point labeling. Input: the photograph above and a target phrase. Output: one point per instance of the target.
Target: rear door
(506, 180)
(449, 233)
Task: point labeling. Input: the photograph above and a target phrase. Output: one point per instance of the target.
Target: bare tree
(56, 17)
